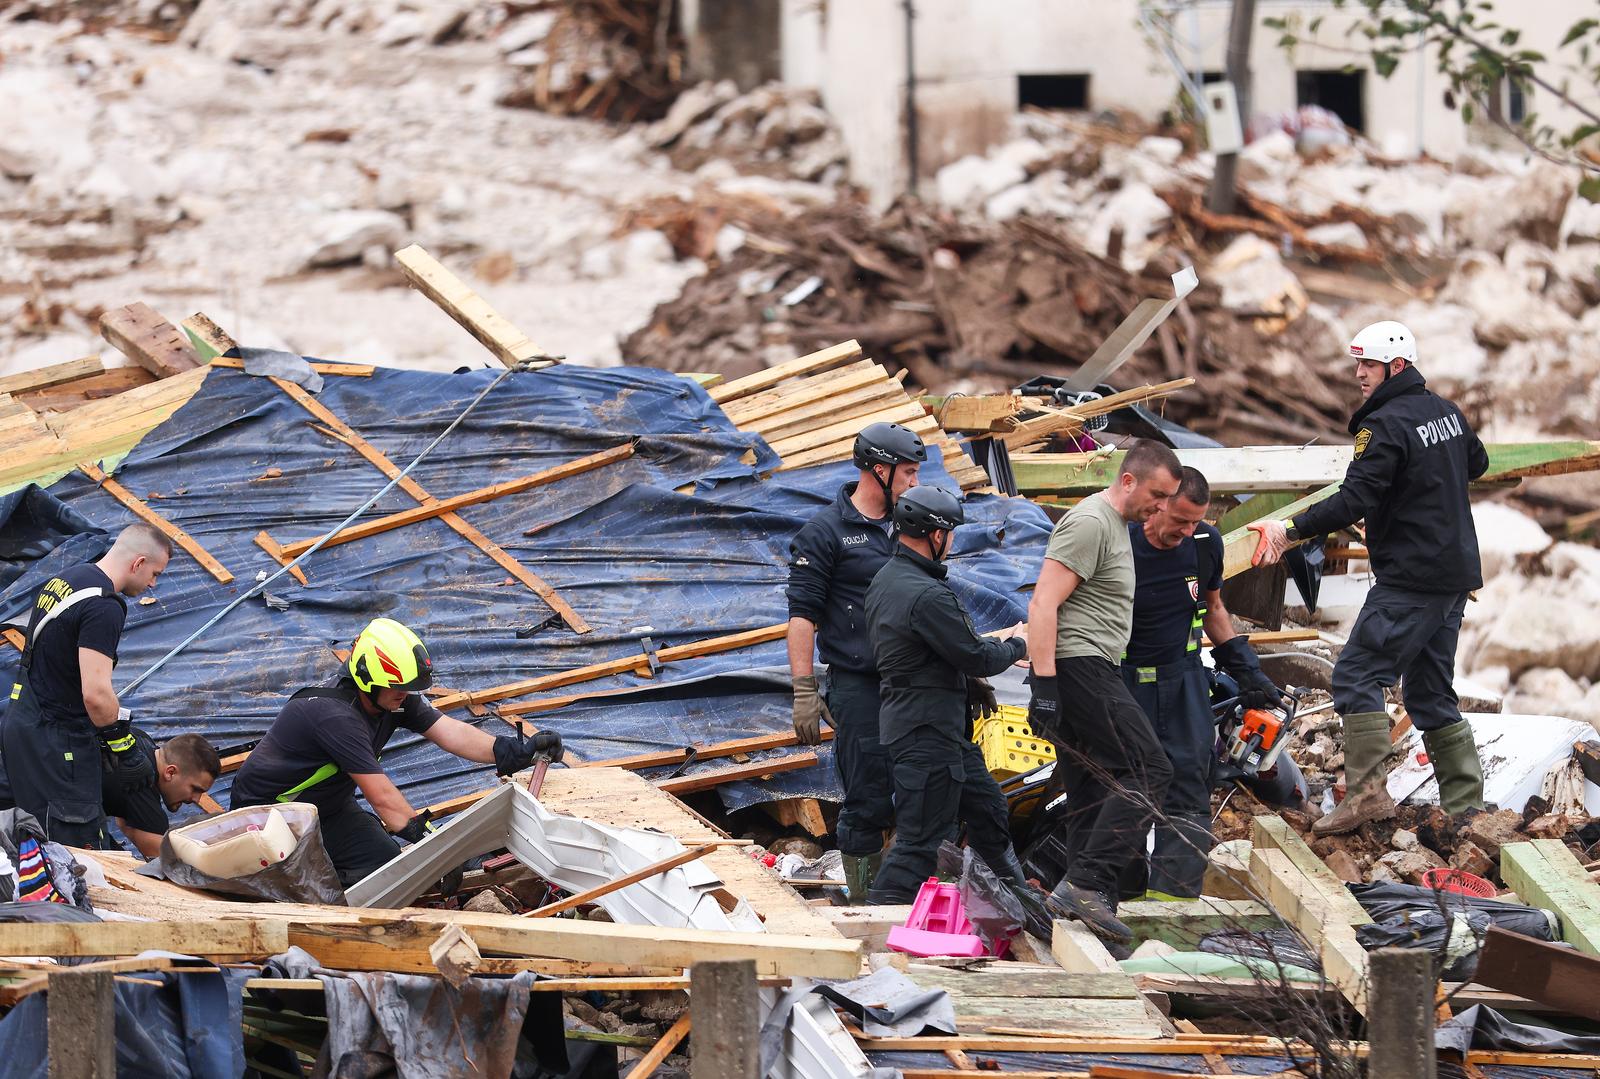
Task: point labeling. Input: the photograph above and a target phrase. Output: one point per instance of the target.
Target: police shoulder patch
(1363, 436)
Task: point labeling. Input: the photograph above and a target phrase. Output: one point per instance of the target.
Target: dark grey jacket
(832, 560)
(926, 647)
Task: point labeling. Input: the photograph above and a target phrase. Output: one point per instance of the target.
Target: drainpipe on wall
(911, 98)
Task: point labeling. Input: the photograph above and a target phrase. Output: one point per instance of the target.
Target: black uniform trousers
(1407, 638)
(1176, 698)
(865, 770)
(1115, 772)
(940, 781)
(356, 841)
(53, 767)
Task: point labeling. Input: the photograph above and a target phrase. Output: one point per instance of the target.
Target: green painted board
(1544, 873)
(1275, 833)
(1182, 925)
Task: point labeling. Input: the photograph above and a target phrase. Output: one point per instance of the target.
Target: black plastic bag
(996, 915)
(1278, 945)
(1384, 899)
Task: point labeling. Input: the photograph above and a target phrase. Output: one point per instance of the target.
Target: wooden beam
(803, 813)
(603, 890)
(472, 312)
(280, 556)
(661, 1050)
(54, 375)
(701, 781)
(805, 365)
(1297, 897)
(621, 665)
(1562, 978)
(256, 938)
(1239, 545)
(150, 517)
(354, 370)
(14, 637)
(1182, 925)
(155, 344)
(1079, 951)
(209, 339)
(1274, 833)
(1544, 873)
(378, 460)
(441, 506)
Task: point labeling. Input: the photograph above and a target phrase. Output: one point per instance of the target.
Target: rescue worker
(1079, 622)
(1414, 455)
(833, 559)
(326, 743)
(182, 769)
(932, 665)
(1177, 565)
(63, 711)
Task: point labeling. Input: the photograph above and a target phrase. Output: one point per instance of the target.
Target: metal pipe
(912, 134)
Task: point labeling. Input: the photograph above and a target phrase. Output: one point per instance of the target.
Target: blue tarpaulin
(681, 542)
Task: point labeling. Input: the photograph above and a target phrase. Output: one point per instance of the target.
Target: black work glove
(417, 828)
(809, 710)
(514, 752)
(1256, 690)
(1044, 707)
(126, 768)
(981, 703)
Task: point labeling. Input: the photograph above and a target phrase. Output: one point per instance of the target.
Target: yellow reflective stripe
(121, 745)
(16, 690)
(327, 771)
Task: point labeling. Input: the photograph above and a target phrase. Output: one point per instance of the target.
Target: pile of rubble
(774, 130)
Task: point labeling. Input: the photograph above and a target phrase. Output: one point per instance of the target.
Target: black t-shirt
(1166, 594)
(316, 732)
(142, 809)
(53, 672)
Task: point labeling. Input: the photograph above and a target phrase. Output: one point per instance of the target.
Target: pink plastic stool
(938, 925)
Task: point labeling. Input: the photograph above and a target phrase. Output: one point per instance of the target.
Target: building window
(1510, 103)
(1342, 93)
(1053, 91)
(1209, 77)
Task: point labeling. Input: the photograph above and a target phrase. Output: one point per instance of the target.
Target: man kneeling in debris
(327, 740)
(184, 769)
(1177, 566)
(932, 666)
(1414, 456)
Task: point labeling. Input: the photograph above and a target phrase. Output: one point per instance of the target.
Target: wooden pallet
(811, 409)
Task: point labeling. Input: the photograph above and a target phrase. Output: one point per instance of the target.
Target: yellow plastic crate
(1009, 744)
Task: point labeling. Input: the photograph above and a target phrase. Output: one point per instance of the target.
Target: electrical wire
(261, 586)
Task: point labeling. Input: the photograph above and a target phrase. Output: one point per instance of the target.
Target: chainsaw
(1250, 740)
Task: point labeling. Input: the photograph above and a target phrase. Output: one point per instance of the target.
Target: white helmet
(1384, 342)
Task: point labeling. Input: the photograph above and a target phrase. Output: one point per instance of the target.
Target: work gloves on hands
(1256, 690)
(981, 703)
(418, 827)
(1044, 707)
(514, 752)
(125, 766)
(809, 710)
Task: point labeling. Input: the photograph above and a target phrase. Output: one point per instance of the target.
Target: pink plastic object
(937, 925)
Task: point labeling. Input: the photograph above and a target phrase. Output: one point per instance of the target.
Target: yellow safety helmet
(387, 655)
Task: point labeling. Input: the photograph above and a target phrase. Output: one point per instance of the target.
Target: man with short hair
(833, 559)
(326, 742)
(184, 769)
(1177, 560)
(64, 712)
(1079, 622)
(1414, 456)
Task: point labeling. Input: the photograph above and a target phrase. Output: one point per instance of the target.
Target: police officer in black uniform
(1177, 564)
(64, 713)
(1414, 456)
(929, 659)
(833, 559)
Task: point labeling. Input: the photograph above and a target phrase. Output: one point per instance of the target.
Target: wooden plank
(150, 517)
(54, 375)
(1079, 951)
(1182, 925)
(622, 665)
(1240, 544)
(19, 990)
(141, 334)
(902, 413)
(471, 312)
(661, 1050)
(1544, 873)
(353, 370)
(1560, 977)
(997, 980)
(14, 637)
(862, 402)
(701, 781)
(280, 556)
(603, 890)
(378, 460)
(926, 426)
(990, 412)
(1302, 903)
(807, 391)
(209, 339)
(803, 813)
(1274, 833)
(820, 360)
(439, 507)
(250, 939)
(868, 924)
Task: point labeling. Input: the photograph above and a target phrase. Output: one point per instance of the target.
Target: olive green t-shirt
(1096, 620)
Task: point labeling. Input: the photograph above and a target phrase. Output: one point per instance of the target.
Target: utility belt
(954, 681)
(1147, 673)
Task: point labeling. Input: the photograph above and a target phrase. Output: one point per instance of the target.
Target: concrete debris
(345, 237)
(1539, 615)
(776, 131)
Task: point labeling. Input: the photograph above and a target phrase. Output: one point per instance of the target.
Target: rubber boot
(1454, 754)
(1031, 896)
(1366, 798)
(859, 873)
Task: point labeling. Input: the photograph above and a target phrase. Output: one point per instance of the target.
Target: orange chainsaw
(1251, 739)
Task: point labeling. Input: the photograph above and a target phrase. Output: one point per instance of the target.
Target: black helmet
(888, 444)
(921, 510)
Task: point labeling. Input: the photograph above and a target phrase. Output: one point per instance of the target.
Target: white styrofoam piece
(1517, 753)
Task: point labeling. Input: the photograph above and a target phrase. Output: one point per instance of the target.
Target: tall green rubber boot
(859, 873)
(1454, 754)
(1366, 797)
